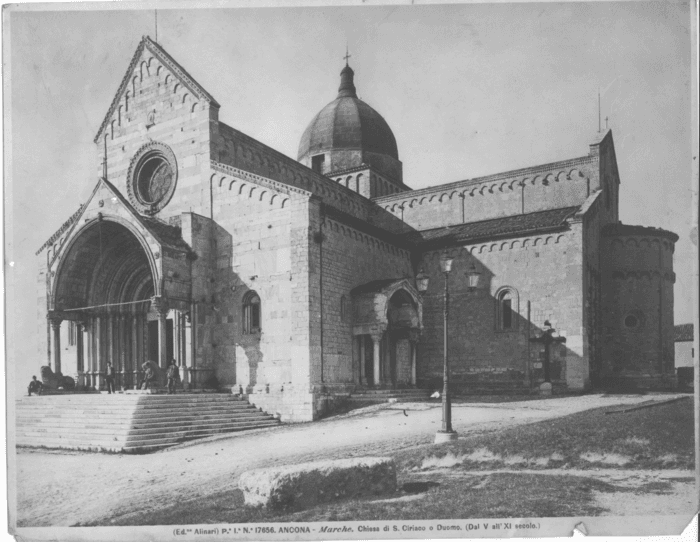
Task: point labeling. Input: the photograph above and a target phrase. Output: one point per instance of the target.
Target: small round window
(634, 321)
(152, 177)
(631, 321)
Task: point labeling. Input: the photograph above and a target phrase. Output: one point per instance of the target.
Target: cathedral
(297, 282)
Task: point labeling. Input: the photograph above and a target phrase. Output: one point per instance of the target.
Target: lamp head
(422, 281)
(473, 275)
(446, 263)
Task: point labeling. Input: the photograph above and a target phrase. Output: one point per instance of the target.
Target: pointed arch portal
(106, 282)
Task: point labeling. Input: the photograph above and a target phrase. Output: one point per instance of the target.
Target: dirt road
(64, 488)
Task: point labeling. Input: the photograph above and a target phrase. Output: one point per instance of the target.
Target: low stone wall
(304, 485)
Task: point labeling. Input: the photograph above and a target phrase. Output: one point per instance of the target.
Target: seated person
(35, 386)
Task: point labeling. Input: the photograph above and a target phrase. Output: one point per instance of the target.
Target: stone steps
(137, 427)
(384, 396)
(133, 423)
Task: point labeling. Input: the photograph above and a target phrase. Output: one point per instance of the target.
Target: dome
(348, 123)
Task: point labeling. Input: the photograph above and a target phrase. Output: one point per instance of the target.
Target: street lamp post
(446, 434)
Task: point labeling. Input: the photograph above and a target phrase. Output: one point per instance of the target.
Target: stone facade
(295, 285)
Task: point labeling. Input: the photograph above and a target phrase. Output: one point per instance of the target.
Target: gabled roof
(166, 234)
(64, 227)
(178, 71)
(494, 228)
(683, 333)
(374, 286)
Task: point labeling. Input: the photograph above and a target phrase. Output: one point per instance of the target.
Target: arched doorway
(387, 321)
(401, 338)
(104, 284)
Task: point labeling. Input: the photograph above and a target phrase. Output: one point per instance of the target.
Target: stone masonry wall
(545, 270)
(639, 284)
(253, 253)
(350, 259)
(238, 150)
(158, 107)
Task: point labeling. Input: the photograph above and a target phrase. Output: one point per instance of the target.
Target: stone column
(161, 306)
(123, 346)
(88, 366)
(110, 340)
(177, 316)
(135, 349)
(98, 351)
(413, 341)
(189, 379)
(377, 343)
(413, 363)
(363, 376)
(56, 329)
(80, 362)
(183, 349)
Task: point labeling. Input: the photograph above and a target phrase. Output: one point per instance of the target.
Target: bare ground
(68, 488)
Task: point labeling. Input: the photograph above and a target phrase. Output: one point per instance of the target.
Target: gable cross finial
(347, 55)
(606, 123)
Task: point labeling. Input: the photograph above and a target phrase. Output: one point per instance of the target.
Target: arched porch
(106, 289)
(387, 327)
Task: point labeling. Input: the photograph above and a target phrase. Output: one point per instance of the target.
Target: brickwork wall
(350, 259)
(545, 270)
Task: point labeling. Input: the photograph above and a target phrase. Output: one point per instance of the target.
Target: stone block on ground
(306, 484)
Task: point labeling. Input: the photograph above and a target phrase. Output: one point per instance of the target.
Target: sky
(468, 90)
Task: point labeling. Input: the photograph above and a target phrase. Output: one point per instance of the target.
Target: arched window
(507, 309)
(251, 313)
(343, 308)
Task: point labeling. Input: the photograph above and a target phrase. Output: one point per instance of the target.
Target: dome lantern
(347, 85)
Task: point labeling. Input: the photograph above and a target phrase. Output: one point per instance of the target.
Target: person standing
(172, 377)
(109, 378)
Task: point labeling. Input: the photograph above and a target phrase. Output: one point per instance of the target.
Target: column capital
(377, 335)
(160, 304)
(55, 321)
(414, 335)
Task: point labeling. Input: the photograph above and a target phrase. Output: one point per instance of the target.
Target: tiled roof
(683, 332)
(166, 234)
(374, 286)
(348, 123)
(628, 229)
(67, 224)
(494, 228)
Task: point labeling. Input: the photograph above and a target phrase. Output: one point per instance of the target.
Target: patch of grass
(446, 497)
(652, 438)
